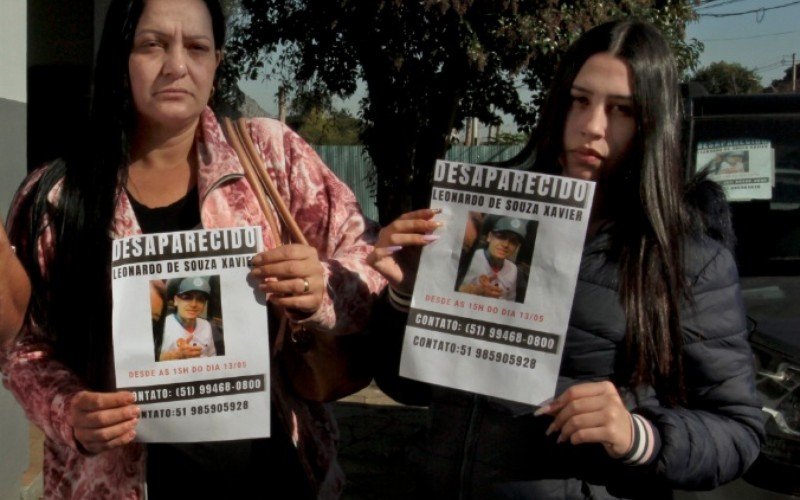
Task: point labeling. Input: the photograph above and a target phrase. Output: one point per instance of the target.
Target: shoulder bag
(320, 367)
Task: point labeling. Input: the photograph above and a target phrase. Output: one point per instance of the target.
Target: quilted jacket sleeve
(329, 215)
(716, 437)
(43, 386)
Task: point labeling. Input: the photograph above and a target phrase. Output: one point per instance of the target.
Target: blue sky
(763, 41)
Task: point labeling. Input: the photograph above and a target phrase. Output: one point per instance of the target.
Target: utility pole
(282, 103)
(794, 73)
(471, 134)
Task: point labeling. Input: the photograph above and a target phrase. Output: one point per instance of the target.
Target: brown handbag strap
(267, 194)
(234, 139)
(266, 184)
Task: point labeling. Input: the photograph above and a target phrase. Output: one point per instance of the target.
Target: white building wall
(13, 98)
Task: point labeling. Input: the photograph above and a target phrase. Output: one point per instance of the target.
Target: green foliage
(326, 127)
(728, 78)
(311, 114)
(507, 138)
(428, 64)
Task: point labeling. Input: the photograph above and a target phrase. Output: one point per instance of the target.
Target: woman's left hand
(292, 274)
(591, 413)
(396, 253)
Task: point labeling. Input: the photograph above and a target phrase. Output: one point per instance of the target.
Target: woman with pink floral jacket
(156, 160)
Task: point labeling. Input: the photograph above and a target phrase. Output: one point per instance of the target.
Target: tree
(313, 117)
(728, 78)
(785, 84)
(427, 64)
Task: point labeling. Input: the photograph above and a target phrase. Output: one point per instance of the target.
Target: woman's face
(600, 125)
(172, 62)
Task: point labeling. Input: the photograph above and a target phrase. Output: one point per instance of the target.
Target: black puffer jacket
(478, 447)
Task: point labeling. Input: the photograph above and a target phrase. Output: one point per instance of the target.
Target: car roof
(745, 104)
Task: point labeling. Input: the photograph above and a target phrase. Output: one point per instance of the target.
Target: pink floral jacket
(328, 214)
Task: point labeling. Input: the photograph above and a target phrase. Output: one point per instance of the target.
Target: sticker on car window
(745, 168)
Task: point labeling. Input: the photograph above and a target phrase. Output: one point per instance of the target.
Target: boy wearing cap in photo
(490, 273)
(186, 334)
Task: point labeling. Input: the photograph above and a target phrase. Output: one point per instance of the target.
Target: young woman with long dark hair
(155, 159)
(656, 388)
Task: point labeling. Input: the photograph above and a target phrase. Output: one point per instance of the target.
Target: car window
(767, 230)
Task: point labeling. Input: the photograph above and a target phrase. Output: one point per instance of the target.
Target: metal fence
(353, 166)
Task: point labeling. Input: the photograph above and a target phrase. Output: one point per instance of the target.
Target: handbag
(320, 367)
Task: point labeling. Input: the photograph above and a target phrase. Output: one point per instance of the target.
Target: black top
(182, 215)
(249, 468)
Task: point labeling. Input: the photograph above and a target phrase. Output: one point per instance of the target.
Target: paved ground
(376, 435)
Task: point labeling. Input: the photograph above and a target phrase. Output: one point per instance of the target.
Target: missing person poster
(745, 168)
(494, 293)
(190, 334)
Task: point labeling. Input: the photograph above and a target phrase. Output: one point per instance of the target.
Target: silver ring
(306, 286)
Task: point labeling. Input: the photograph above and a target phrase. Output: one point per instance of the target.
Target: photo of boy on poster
(187, 318)
(496, 256)
(729, 162)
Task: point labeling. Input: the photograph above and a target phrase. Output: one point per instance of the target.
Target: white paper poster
(190, 334)
(745, 168)
(493, 295)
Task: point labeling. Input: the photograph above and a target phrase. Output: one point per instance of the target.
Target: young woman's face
(600, 126)
(172, 62)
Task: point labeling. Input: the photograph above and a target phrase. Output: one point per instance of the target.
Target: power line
(704, 5)
(749, 37)
(769, 67)
(760, 10)
(784, 63)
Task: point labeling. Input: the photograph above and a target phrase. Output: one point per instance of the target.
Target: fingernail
(541, 410)
(255, 261)
(250, 262)
(549, 430)
(430, 237)
(561, 438)
(436, 210)
(438, 223)
(393, 249)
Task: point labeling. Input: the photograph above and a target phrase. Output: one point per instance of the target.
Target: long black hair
(644, 196)
(71, 300)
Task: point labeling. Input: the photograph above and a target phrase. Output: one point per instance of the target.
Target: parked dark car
(768, 255)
